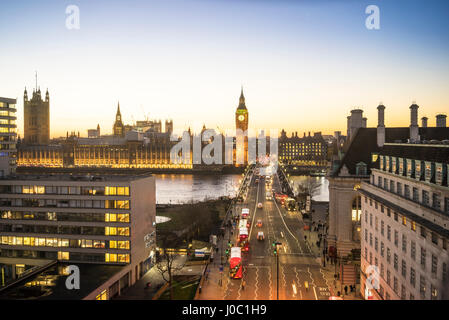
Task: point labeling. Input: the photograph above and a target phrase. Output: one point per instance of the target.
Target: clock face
(241, 117)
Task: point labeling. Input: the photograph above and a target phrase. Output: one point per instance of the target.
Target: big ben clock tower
(241, 122)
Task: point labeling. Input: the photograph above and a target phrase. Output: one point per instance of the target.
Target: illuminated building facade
(306, 151)
(241, 123)
(405, 224)
(102, 220)
(36, 118)
(8, 136)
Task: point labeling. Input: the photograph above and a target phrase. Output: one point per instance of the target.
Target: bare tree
(309, 186)
(168, 263)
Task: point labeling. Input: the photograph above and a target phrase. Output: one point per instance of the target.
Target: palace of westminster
(141, 145)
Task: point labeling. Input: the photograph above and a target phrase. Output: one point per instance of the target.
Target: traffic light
(227, 251)
(275, 251)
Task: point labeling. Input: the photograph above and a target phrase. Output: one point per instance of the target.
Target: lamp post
(276, 246)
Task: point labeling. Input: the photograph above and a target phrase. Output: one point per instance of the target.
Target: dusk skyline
(304, 65)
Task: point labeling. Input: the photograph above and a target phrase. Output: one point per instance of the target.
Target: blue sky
(303, 64)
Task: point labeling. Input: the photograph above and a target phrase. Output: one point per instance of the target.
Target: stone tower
(118, 128)
(36, 118)
(241, 122)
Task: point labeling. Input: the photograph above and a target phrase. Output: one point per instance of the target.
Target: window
(399, 188)
(404, 243)
(395, 216)
(102, 296)
(433, 293)
(63, 255)
(436, 201)
(434, 265)
(413, 250)
(413, 225)
(403, 294)
(391, 186)
(396, 238)
(422, 287)
(379, 182)
(395, 262)
(382, 227)
(423, 232)
(415, 194)
(395, 285)
(376, 244)
(404, 268)
(389, 233)
(412, 277)
(388, 255)
(425, 198)
(382, 270)
(371, 239)
(423, 258)
(110, 257)
(407, 191)
(382, 249)
(434, 238)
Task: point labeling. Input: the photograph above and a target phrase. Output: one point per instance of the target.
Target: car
(259, 205)
(259, 223)
(260, 236)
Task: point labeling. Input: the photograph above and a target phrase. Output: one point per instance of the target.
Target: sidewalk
(213, 287)
(335, 285)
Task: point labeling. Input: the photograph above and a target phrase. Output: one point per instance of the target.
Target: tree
(168, 263)
(309, 186)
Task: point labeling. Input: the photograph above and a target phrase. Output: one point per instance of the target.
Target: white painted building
(405, 223)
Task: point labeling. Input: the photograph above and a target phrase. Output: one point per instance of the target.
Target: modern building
(8, 136)
(405, 224)
(104, 219)
(36, 118)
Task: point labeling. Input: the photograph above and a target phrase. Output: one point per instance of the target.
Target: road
(297, 262)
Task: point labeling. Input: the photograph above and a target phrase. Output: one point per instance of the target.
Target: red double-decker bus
(235, 263)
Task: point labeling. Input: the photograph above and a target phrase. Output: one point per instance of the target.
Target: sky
(303, 64)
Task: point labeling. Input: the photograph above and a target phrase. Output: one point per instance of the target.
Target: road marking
(254, 215)
(314, 291)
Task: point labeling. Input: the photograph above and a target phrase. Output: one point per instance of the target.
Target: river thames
(184, 188)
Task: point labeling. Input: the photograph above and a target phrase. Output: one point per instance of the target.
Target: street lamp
(276, 246)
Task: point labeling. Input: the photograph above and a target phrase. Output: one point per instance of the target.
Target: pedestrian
(346, 289)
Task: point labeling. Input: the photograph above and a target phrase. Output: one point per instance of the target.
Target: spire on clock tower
(242, 100)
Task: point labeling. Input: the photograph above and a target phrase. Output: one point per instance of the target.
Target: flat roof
(76, 177)
(50, 283)
(8, 100)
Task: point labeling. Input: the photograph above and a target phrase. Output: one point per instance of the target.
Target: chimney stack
(380, 125)
(414, 129)
(364, 122)
(441, 120)
(424, 122)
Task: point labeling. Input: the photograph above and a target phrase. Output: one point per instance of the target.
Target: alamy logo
(211, 148)
(73, 280)
(372, 22)
(73, 19)
(372, 280)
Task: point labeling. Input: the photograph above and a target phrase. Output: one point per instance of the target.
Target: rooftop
(77, 177)
(50, 283)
